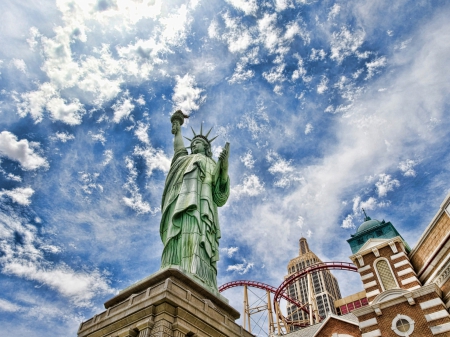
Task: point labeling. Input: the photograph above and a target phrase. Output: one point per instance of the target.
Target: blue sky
(329, 106)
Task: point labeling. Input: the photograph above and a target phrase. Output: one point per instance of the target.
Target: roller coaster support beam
(269, 313)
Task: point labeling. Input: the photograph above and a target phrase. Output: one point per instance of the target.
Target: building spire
(366, 218)
(304, 248)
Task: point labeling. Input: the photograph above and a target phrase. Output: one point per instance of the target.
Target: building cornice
(404, 296)
(433, 222)
(387, 242)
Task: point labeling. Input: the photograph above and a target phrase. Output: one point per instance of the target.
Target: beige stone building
(325, 287)
(407, 291)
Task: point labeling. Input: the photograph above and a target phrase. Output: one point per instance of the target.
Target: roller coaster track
(280, 292)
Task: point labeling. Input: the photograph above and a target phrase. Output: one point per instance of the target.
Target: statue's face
(198, 146)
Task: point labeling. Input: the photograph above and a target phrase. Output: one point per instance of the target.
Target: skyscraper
(324, 285)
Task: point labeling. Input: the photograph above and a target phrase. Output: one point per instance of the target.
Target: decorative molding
(405, 272)
(444, 275)
(363, 269)
(431, 303)
(367, 276)
(373, 333)
(369, 322)
(414, 288)
(369, 284)
(360, 260)
(438, 329)
(376, 252)
(410, 299)
(373, 293)
(437, 315)
(393, 247)
(401, 263)
(399, 255)
(409, 280)
(377, 310)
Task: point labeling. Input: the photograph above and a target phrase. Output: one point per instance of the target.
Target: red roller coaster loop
(280, 292)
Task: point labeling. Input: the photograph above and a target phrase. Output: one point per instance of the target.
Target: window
(385, 275)
(402, 325)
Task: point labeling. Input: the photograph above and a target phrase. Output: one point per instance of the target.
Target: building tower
(325, 286)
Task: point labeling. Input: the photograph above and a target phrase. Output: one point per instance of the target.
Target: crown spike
(201, 129)
(188, 139)
(209, 132)
(211, 140)
(193, 131)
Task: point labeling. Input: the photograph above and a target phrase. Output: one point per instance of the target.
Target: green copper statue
(195, 186)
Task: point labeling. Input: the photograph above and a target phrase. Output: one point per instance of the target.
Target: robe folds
(189, 226)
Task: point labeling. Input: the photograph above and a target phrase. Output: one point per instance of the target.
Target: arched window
(385, 275)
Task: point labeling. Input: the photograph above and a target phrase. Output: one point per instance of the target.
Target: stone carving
(162, 328)
(195, 186)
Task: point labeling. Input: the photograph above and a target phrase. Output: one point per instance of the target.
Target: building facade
(325, 287)
(407, 290)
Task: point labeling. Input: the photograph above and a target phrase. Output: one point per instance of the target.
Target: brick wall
(431, 242)
(337, 326)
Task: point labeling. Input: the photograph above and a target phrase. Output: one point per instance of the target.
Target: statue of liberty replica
(181, 299)
(195, 186)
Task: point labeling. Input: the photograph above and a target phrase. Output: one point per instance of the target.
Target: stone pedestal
(166, 304)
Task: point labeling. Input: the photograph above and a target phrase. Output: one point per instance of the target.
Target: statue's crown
(201, 136)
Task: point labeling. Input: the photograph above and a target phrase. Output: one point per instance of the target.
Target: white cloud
(348, 222)
(141, 132)
(98, 137)
(317, 54)
(323, 86)
(80, 287)
(64, 136)
(241, 268)
(20, 65)
(229, 251)
(154, 159)
(20, 195)
(108, 155)
(135, 201)
(241, 73)
(48, 97)
(407, 167)
(256, 121)
(308, 129)
(122, 109)
(140, 100)
(89, 182)
(334, 11)
(275, 74)
(386, 184)
(247, 159)
(374, 66)
(7, 306)
(300, 221)
(69, 113)
(300, 71)
(186, 96)
(251, 186)
(237, 36)
(283, 170)
(26, 260)
(344, 43)
(21, 151)
(249, 7)
(281, 5)
(176, 26)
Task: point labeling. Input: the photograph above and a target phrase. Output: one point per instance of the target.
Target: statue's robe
(189, 226)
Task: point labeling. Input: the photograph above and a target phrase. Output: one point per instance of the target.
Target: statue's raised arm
(195, 186)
